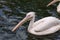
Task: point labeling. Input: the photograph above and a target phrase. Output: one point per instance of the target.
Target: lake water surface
(13, 11)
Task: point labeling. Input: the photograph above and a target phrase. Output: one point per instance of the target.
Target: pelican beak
(54, 1)
(21, 22)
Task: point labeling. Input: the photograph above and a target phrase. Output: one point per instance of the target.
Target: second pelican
(58, 7)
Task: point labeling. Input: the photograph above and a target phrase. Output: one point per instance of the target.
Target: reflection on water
(12, 11)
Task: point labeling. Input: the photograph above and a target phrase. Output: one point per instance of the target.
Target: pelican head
(54, 1)
(28, 17)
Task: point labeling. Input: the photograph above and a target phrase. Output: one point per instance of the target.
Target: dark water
(12, 11)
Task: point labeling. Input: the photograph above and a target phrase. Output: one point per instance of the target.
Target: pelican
(43, 26)
(58, 7)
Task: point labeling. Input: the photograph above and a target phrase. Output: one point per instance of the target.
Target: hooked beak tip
(47, 5)
(54, 1)
(13, 30)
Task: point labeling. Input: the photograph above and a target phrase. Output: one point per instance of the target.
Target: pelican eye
(28, 15)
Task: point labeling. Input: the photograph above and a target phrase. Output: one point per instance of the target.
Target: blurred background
(13, 11)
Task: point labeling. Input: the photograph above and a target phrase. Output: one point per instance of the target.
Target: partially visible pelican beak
(54, 1)
(20, 23)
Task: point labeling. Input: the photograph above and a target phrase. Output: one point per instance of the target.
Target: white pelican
(43, 26)
(58, 7)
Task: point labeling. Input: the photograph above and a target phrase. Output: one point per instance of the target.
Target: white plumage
(43, 26)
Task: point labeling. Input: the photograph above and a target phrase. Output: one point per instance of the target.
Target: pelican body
(43, 26)
(58, 7)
